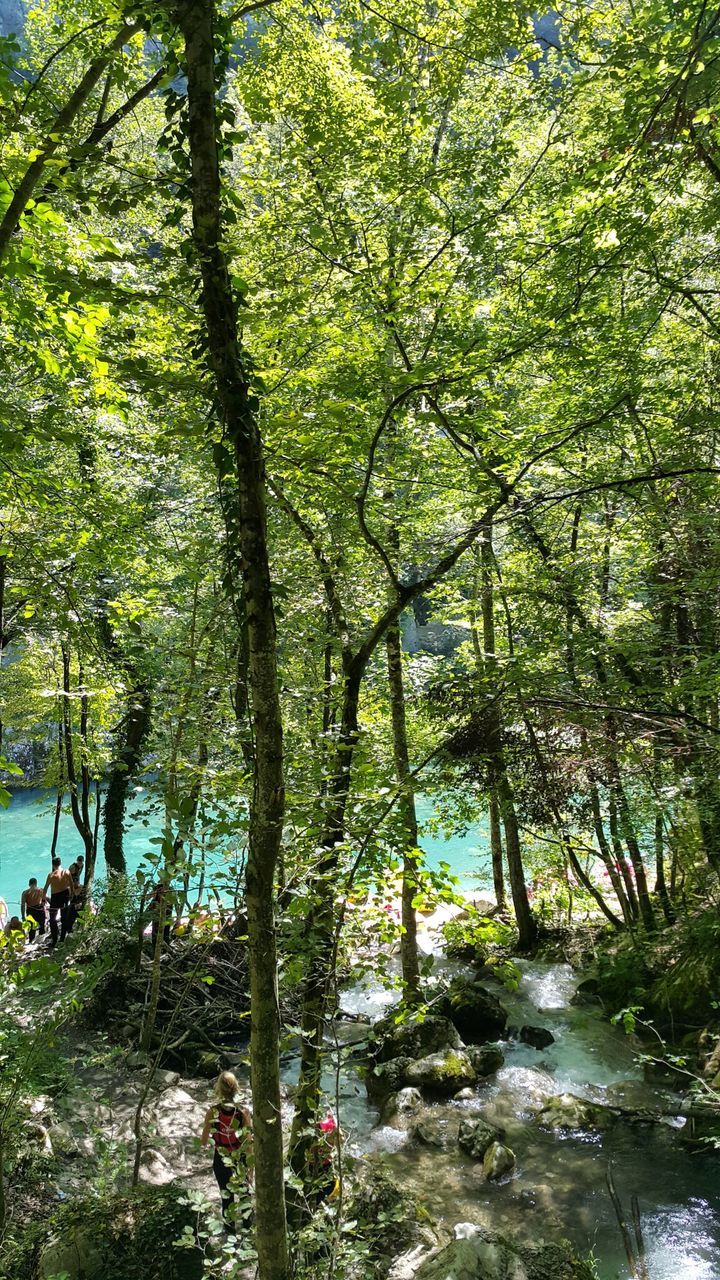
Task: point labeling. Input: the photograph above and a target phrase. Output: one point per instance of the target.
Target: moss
(134, 1233)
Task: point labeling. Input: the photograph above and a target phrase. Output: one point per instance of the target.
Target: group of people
(59, 910)
(229, 1124)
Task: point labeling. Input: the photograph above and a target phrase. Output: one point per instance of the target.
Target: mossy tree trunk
(409, 958)
(239, 408)
(499, 777)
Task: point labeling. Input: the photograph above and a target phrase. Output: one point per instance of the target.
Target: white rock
(155, 1169)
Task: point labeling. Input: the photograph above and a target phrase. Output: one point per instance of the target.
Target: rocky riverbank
(497, 1107)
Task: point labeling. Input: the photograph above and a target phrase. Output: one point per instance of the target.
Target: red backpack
(225, 1135)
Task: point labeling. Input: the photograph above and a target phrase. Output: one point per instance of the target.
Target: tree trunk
(231, 370)
(408, 943)
(629, 915)
(661, 888)
(526, 925)
(499, 780)
(620, 855)
(628, 833)
(320, 932)
(496, 849)
(154, 992)
(79, 795)
(60, 790)
(137, 725)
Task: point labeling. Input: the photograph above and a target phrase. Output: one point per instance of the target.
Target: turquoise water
(26, 835)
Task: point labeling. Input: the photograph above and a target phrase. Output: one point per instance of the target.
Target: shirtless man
(32, 907)
(60, 883)
(77, 893)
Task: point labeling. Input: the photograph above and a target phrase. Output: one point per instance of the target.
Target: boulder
(477, 1254)
(568, 1112)
(64, 1141)
(415, 1038)
(137, 1060)
(497, 1161)
(476, 1137)
(77, 1256)
(587, 992)
(388, 1077)
(486, 1058)
(166, 1079)
(155, 1169)
(430, 1133)
(533, 1085)
(538, 1037)
(476, 1013)
(443, 1073)
(403, 1103)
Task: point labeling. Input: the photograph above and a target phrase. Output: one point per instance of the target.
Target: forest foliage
(448, 318)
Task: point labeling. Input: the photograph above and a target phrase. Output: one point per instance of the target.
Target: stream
(558, 1187)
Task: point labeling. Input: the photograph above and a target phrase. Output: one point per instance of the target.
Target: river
(558, 1188)
(26, 835)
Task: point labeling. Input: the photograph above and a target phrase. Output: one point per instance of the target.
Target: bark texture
(408, 943)
(125, 765)
(499, 778)
(239, 409)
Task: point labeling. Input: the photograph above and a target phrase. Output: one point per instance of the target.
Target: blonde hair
(227, 1086)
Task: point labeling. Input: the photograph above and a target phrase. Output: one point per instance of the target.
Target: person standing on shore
(32, 907)
(77, 893)
(60, 883)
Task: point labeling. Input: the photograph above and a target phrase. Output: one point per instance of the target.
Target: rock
(388, 1077)
(464, 1095)
(538, 1037)
(711, 1065)
(77, 1256)
(534, 1086)
(569, 1112)
(376, 1198)
(430, 1133)
(207, 1064)
(477, 1254)
(155, 1169)
(474, 1011)
(175, 1098)
(443, 1073)
(497, 1161)
(166, 1079)
(486, 1058)
(403, 1103)
(476, 1137)
(40, 1105)
(64, 1141)
(137, 1060)
(406, 1267)
(587, 992)
(415, 1038)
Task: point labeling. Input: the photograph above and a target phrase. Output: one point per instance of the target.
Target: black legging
(228, 1165)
